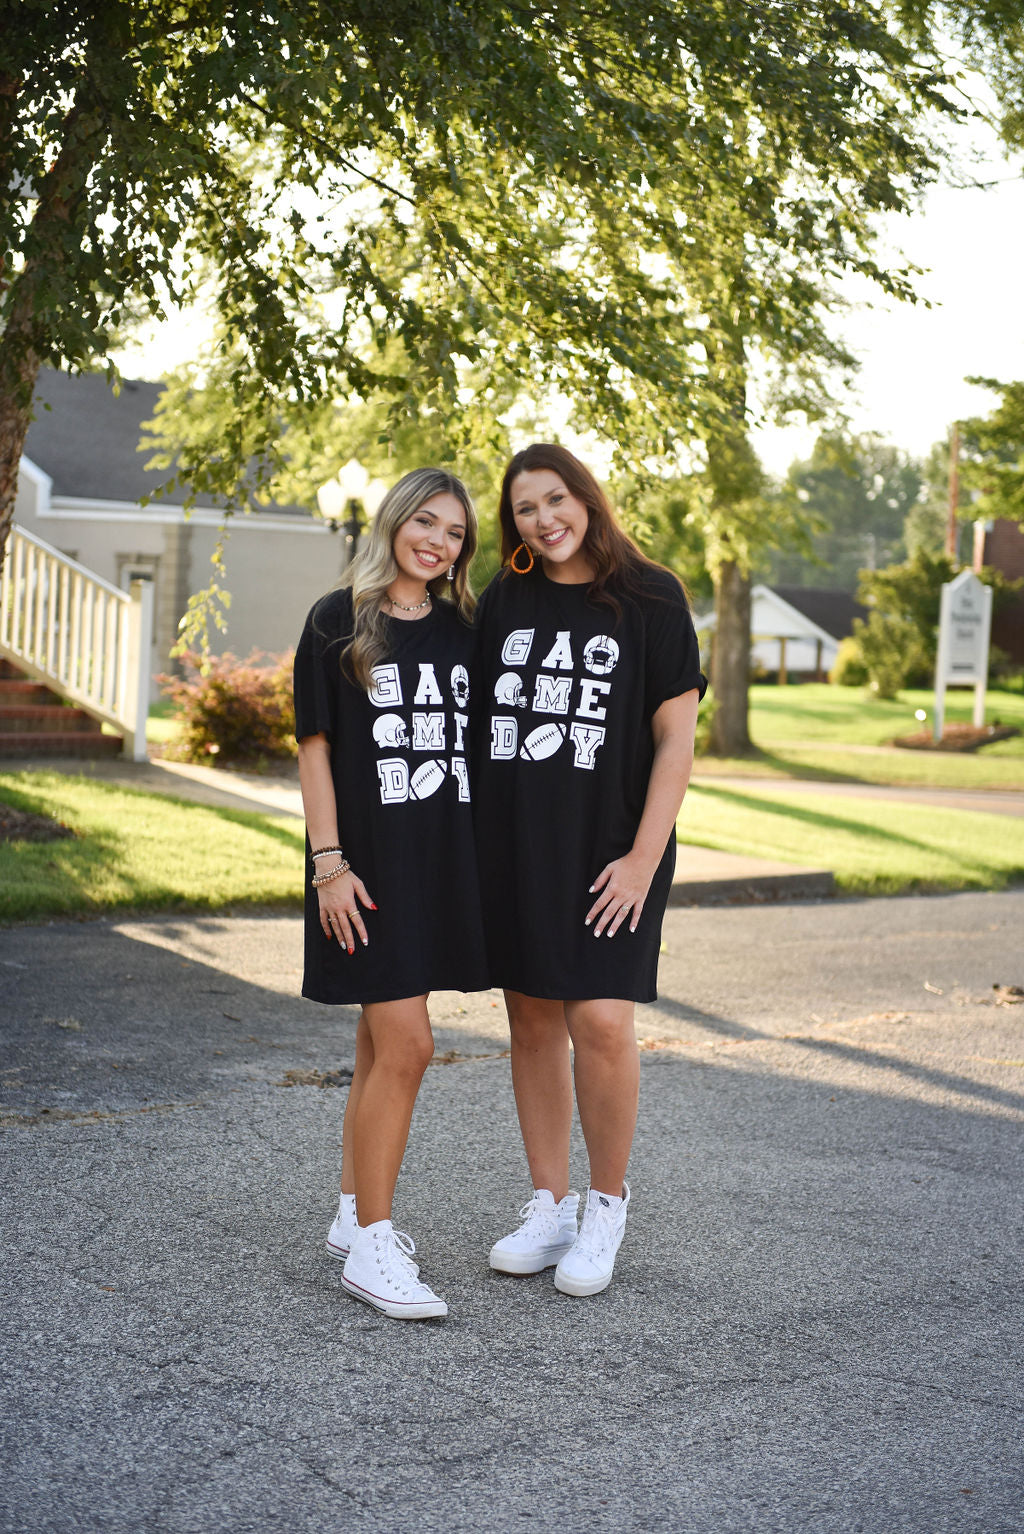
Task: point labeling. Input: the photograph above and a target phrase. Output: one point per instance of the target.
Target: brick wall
(1004, 549)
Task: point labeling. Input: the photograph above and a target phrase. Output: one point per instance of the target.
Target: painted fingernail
(372, 906)
(365, 941)
(587, 922)
(591, 890)
(351, 950)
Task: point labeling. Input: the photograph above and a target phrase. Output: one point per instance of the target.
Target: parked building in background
(795, 630)
(1001, 545)
(81, 485)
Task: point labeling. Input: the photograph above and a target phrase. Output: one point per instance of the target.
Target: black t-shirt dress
(564, 755)
(399, 759)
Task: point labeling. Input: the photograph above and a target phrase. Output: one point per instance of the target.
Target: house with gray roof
(795, 630)
(81, 486)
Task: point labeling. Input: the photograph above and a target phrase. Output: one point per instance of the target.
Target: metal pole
(952, 528)
(982, 679)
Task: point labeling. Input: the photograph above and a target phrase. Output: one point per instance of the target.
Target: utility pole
(952, 525)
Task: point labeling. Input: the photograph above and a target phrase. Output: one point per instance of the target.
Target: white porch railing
(76, 632)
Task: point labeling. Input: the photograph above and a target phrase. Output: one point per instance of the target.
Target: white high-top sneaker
(587, 1268)
(345, 1228)
(546, 1234)
(379, 1270)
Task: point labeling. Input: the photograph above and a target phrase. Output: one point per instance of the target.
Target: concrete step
(50, 718)
(59, 743)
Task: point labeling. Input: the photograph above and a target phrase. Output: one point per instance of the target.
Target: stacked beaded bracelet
(327, 852)
(335, 873)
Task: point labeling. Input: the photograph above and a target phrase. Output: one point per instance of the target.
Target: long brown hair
(618, 563)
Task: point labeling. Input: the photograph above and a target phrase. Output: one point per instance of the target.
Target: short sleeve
(315, 678)
(671, 652)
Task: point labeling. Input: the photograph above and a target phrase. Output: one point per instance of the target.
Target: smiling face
(553, 523)
(429, 541)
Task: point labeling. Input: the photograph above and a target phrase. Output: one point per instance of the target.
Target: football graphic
(601, 655)
(426, 780)
(508, 689)
(390, 730)
(460, 685)
(542, 742)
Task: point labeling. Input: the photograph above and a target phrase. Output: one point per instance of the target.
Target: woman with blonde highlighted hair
(382, 682)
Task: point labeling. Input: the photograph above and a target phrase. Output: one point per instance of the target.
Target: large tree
(634, 208)
(854, 494)
(378, 197)
(993, 448)
(755, 193)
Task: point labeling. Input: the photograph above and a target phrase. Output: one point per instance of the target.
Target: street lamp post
(348, 502)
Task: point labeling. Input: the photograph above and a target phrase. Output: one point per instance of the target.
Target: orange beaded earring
(529, 554)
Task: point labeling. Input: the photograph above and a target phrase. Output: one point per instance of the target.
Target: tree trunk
(19, 368)
(23, 337)
(730, 662)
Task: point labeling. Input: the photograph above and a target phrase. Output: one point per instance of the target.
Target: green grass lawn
(871, 846)
(818, 713)
(145, 852)
(141, 852)
(161, 722)
(926, 769)
(808, 732)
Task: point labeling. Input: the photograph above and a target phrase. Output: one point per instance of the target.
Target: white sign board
(965, 620)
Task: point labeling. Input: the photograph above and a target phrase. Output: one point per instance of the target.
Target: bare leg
(542, 1082)
(364, 1061)
(402, 1047)
(607, 1070)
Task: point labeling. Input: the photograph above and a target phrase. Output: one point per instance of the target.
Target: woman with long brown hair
(590, 681)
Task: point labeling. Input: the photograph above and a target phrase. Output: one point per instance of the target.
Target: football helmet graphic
(460, 685)
(601, 655)
(508, 689)
(390, 730)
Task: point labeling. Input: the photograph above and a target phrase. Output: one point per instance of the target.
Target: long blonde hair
(374, 567)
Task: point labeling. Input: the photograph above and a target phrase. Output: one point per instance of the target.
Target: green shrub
(849, 669)
(893, 650)
(705, 719)
(233, 711)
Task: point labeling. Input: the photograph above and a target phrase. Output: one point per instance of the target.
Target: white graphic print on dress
(508, 689)
(517, 647)
(398, 779)
(397, 784)
(390, 730)
(554, 692)
(385, 688)
(460, 685)
(542, 742)
(601, 655)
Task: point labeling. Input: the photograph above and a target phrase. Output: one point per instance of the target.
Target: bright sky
(914, 359)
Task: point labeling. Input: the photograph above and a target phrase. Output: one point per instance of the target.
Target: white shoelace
(394, 1258)
(538, 1221)
(597, 1232)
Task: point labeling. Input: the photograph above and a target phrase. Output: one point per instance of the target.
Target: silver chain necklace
(404, 606)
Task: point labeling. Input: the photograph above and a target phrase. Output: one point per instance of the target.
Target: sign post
(965, 620)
